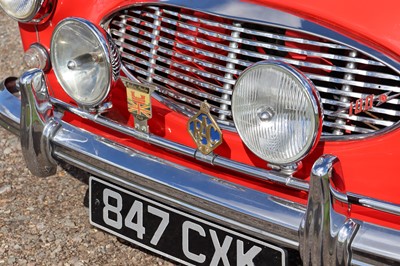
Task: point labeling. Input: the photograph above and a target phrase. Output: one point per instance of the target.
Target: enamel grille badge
(204, 130)
(367, 103)
(139, 103)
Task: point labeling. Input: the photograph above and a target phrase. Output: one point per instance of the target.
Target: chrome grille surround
(115, 58)
(193, 56)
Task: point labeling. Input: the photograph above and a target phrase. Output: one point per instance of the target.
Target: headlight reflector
(81, 61)
(277, 112)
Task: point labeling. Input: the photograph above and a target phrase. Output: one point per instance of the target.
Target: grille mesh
(192, 56)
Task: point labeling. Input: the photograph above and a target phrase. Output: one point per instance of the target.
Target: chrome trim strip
(375, 204)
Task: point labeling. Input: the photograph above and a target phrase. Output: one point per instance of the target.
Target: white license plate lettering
(221, 248)
(246, 258)
(134, 220)
(136, 210)
(163, 224)
(110, 209)
(189, 227)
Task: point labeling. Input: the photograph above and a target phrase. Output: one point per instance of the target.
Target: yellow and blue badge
(139, 103)
(139, 99)
(204, 130)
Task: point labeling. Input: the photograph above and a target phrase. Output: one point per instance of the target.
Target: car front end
(233, 132)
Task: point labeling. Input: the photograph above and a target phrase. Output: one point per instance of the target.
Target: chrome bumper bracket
(325, 235)
(37, 124)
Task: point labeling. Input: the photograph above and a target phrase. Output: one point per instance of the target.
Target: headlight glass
(22, 10)
(81, 61)
(277, 112)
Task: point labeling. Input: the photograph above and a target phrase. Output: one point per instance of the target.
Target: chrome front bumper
(320, 234)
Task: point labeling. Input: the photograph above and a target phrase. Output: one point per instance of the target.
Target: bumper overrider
(321, 235)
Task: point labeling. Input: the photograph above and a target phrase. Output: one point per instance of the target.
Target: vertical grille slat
(192, 56)
(228, 86)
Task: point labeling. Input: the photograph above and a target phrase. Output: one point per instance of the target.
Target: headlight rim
(101, 37)
(313, 97)
(39, 13)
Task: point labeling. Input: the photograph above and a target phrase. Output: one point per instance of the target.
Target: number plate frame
(195, 240)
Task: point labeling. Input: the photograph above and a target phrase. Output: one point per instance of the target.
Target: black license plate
(172, 233)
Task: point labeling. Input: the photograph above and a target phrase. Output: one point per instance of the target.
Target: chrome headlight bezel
(39, 11)
(110, 57)
(311, 95)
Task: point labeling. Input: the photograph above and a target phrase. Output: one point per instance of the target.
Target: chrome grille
(191, 56)
(115, 58)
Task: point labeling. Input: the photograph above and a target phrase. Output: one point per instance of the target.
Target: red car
(220, 132)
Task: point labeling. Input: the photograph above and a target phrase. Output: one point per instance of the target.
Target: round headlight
(26, 10)
(81, 61)
(277, 112)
